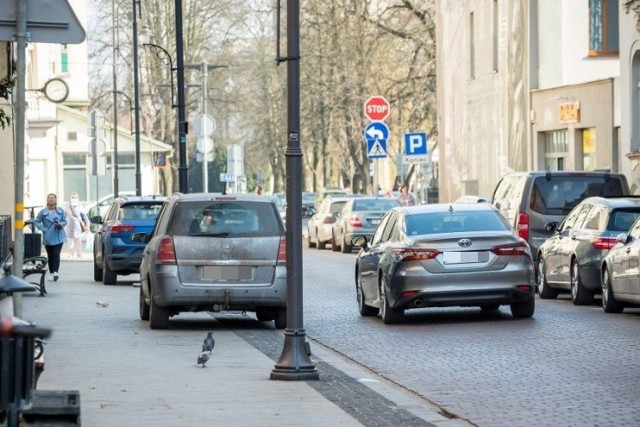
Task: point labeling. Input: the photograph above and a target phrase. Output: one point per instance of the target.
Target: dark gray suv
(214, 252)
(530, 200)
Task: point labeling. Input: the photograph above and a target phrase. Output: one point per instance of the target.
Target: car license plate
(227, 272)
(374, 221)
(464, 257)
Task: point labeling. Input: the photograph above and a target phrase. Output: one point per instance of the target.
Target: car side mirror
(359, 242)
(498, 205)
(622, 238)
(140, 237)
(96, 219)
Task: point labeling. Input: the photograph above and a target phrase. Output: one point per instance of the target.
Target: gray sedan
(442, 255)
(359, 216)
(621, 272)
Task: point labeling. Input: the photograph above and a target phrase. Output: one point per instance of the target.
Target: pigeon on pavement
(203, 358)
(208, 343)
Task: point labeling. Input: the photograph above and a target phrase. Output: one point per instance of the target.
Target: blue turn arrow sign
(376, 135)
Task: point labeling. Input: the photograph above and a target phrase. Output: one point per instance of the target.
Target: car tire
(280, 320)
(264, 314)
(389, 315)
(319, 244)
(143, 306)
(109, 276)
(97, 271)
(579, 295)
(158, 316)
(489, 307)
(310, 243)
(334, 245)
(609, 303)
(364, 309)
(524, 309)
(346, 248)
(544, 290)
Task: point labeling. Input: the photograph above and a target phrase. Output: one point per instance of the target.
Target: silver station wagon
(214, 252)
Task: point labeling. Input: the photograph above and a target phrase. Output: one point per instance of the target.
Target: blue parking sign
(415, 144)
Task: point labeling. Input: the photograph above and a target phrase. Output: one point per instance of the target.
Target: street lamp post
(294, 362)
(115, 100)
(183, 172)
(136, 95)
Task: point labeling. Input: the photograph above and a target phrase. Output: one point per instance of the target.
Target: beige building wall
(482, 94)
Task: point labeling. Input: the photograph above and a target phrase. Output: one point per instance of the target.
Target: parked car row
(547, 231)
(339, 218)
(580, 229)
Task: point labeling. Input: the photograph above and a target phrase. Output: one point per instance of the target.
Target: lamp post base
(294, 363)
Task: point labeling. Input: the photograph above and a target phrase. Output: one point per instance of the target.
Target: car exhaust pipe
(419, 302)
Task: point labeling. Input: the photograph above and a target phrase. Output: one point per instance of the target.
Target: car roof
(615, 201)
(443, 207)
(130, 199)
(563, 173)
(198, 197)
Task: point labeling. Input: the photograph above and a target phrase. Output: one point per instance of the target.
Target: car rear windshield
(140, 210)
(621, 220)
(226, 219)
(381, 205)
(559, 194)
(445, 222)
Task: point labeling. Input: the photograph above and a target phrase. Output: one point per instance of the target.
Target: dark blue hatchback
(114, 253)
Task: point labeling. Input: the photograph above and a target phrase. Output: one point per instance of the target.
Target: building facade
(527, 85)
(58, 146)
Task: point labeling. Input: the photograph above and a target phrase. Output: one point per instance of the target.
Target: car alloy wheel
(579, 295)
(143, 306)
(544, 290)
(389, 315)
(609, 303)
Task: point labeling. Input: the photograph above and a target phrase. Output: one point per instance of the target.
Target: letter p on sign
(415, 144)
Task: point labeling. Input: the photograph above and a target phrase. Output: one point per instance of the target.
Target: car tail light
(603, 242)
(121, 228)
(511, 249)
(282, 251)
(166, 251)
(522, 226)
(354, 221)
(525, 288)
(415, 254)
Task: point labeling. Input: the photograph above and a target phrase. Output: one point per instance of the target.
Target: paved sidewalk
(130, 375)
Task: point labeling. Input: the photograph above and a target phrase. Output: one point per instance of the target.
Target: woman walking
(51, 221)
(77, 225)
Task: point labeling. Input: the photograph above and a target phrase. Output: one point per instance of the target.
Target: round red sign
(377, 108)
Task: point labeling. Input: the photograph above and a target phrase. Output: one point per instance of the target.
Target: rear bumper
(462, 289)
(169, 291)
(124, 263)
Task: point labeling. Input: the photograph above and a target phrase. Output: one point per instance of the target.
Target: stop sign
(376, 108)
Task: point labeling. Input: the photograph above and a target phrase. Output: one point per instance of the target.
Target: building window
(496, 30)
(74, 174)
(556, 150)
(589, 149)
(64, 59)
(472, 59)
(72, 136)
(603, 27)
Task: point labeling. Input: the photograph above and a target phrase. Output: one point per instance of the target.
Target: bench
(34, 266)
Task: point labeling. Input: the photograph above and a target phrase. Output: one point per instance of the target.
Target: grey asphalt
(128, 374)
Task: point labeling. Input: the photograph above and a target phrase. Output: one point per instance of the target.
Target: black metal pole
(294, 363)
(183, 176)
(115, 102)
(136, 95)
